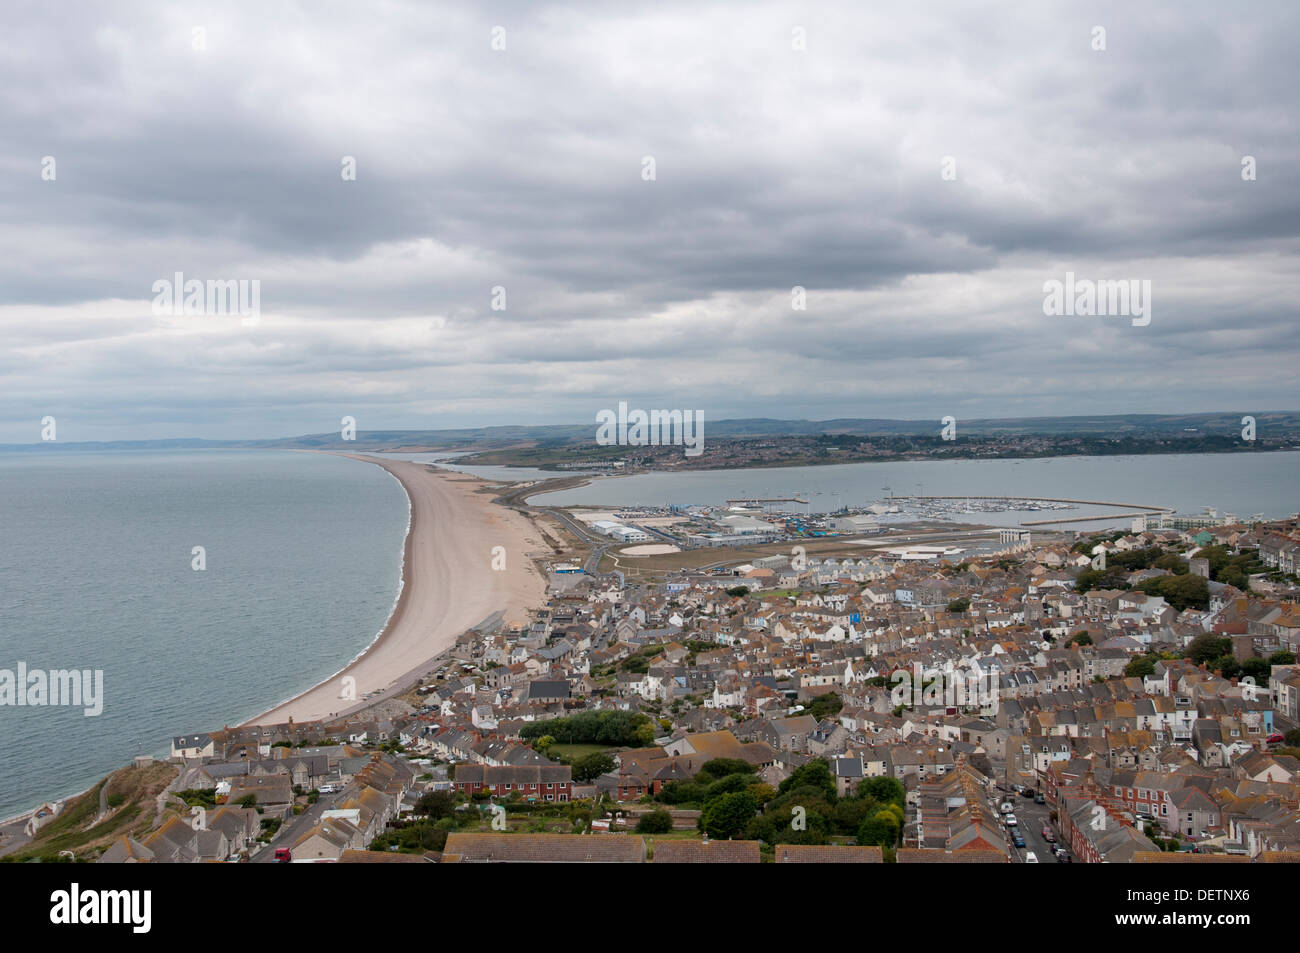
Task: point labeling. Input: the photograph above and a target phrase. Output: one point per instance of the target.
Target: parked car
(1039, 799)
(1031, 858)
(1011, 820)
(1276, 738)
(283, 855)
(1017, 840)
(1007, 807)
(326, 789)
(1027, 792)
(1048, 834)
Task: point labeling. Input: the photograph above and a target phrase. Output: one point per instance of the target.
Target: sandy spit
(448, 584)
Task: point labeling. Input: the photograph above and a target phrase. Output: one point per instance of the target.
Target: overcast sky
(209, 139)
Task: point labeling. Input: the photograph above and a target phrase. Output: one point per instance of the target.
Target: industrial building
(624, 534)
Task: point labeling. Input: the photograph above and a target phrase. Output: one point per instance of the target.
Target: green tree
(728, 815)
(592, 766)
(814, 774)
(1227, 665)
(1181, 592)
(716, 768)
(1112, 577)
(1235, 577)
(824, 706)
(1205, 648)
(436, 804)
(848, 814)
(1140, 666)
(612, 728)
(882, 828)
(883, 789)
(1256, 668)
(728, 785)
(657, 821)
(1171, 561)
(681, 792)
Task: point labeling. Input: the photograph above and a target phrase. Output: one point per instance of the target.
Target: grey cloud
(522, 169)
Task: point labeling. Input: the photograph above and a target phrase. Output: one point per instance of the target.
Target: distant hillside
(1276, 423)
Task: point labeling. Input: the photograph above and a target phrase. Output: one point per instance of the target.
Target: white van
(1031, 858)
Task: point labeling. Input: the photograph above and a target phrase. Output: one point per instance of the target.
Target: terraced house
(533, 782)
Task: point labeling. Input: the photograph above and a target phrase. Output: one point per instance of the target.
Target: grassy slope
(75, 829)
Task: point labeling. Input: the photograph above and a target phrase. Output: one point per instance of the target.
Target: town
(1139, 704)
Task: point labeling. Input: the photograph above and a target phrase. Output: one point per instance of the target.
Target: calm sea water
(304, 555)
(1241, 483)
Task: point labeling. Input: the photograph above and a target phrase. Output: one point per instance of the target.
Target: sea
(302, 557)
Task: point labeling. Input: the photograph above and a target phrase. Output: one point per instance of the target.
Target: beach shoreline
(452, 580)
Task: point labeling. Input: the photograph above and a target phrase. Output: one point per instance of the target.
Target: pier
(1079, 519)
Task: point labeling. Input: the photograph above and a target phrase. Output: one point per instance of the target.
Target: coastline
(447, 586)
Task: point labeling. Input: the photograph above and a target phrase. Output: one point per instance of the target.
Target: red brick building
(533, 782)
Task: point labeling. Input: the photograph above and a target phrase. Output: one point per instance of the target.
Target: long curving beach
(448, 584)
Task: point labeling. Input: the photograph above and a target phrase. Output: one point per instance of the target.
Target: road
(599, 544)
(1030, 817)
(295, 827)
